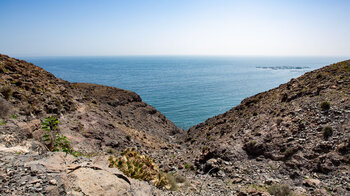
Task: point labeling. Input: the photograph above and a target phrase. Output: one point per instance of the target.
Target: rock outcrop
(61, 174)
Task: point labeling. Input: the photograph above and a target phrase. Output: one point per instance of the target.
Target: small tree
(55, 141)
(50, 126)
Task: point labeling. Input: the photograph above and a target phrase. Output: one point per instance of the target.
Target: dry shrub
(280, 190)
(7, 92)
(4, 108)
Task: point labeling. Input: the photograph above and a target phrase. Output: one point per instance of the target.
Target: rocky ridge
(296, 134)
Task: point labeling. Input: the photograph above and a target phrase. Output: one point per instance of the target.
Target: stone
(34, 181)
(236, 180)
(97, 182)
(37, 185)
(271, 181)
(312, 182)
(53, 181)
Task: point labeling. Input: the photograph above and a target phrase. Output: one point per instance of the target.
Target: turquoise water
(186, 89)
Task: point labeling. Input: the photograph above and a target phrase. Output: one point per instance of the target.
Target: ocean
(186, 89)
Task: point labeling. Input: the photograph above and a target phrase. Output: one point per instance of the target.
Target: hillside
(296, 134)
(97, 120)
(92, 116)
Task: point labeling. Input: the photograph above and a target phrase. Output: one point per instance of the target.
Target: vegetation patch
(7, 92)
(260, 188)
(253, 148)
(347, 68)
(325, 105)
(175, 180)
(187, 166)
(289, 152)
(327, 132)
(140, 167)
(4, 108)
(280, 190)
(54, 140)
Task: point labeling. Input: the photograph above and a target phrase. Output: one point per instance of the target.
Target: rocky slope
(96, 120)
(61, 174)
(297, 134)
(93, 117)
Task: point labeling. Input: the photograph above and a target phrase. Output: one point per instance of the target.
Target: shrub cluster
(6, 91)
(327, 132)
(140, 167)
(4, 108)
(280, 190)
(253, 148)
(325, 105)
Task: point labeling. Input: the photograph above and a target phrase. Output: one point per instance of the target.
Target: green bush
(327, 132)
(140, 167)
(187, 166)
(325, 105)
(55, 141)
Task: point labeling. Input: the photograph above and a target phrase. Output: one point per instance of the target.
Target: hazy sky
(174, 27)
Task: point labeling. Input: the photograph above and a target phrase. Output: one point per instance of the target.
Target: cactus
(140, 167)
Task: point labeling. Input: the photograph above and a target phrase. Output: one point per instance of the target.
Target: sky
(175, 27)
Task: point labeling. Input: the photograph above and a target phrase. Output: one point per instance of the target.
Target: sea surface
(186, 89)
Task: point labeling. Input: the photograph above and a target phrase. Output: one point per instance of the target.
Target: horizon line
(176, 55)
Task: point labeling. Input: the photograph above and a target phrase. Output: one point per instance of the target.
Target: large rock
(61, 174)
(88, 181)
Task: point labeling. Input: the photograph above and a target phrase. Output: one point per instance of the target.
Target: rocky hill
(93, 117)
(97, 120)
(297, 134)
(291, 140)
